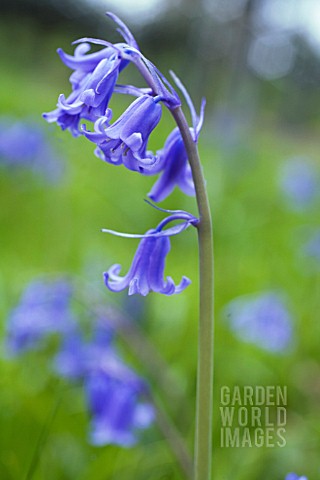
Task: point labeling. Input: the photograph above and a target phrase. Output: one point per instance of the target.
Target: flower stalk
(203, 429)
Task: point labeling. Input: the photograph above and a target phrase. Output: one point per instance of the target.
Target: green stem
(203, 431)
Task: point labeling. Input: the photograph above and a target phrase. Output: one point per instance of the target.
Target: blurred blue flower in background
(116, 410)
(312, 247)
(44, 309)
(261, 319)
(113, 391)
(299, 182)
(23, 145)
(294, 476)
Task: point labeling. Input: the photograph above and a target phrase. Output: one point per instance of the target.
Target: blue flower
(94, 81)
(173, 159)
(294, 476)
(92, 89)
(44, 309)
(125, 141)
(147, 269)
(299, 181)
(114, 392)
(261, 319)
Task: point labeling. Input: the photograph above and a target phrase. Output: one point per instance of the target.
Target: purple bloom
(125, 141)
(294, 476)
(93, 83)
(173, 159)
(147, 269)
(93, 80)
(92, 89)
(44, 309)
(113, 391)
(261, 319)
(24, 145)
(299, 181)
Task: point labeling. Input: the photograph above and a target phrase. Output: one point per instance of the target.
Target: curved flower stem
(203, 433)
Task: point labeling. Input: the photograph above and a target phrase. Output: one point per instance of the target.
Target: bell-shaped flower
(173, 158)
(90, 96)
(147, 270)
(125, 141)
(94, 80)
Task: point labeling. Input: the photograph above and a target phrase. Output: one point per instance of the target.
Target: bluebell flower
(114, 392)
(299, 181)
(294, 476)
(147, 269)
(94, 81)
(23, 145)
(43, 309)
(92, 90)
(125, 141)
(261, 319)
(173, 159)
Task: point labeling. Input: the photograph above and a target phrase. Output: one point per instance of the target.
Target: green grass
(56, 229)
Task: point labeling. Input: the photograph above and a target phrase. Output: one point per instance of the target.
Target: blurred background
(257, 62)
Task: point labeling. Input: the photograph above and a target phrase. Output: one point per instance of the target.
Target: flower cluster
(124, 141)
(261, 319)
(113, 391)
